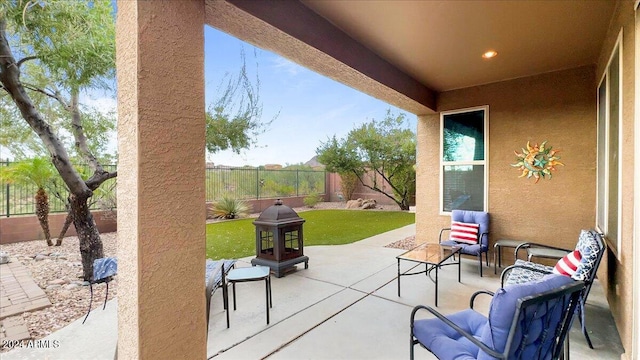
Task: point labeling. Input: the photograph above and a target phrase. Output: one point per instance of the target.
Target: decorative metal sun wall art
(537, 161)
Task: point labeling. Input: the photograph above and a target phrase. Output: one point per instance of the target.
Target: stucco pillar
(161, 208)
(428, 219)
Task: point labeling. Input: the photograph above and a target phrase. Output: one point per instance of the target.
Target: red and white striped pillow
(568, 265)
(464, 232)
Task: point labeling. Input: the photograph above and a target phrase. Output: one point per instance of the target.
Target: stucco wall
(161, 195)
(616, 272)
(26, 228)
(558, 107)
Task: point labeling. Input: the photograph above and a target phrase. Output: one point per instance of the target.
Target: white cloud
(102, 104)
(287, 66)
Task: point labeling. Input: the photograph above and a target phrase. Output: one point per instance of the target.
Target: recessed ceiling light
(489, 54)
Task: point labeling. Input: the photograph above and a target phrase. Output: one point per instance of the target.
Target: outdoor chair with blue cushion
(580, 264)
(470, 231)
(215, 278)
(104, 269)
(527, 321)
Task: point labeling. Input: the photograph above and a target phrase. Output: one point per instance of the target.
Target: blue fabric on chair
(211, 267)
(473, 217)
(442, 339)
(538, 332)
(103, 271)
(591, 246)
(214, 278)
(525, 271)
(500, 320)
(104, 267)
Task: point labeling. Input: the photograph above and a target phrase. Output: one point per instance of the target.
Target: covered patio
(425, 57)
(345, 306)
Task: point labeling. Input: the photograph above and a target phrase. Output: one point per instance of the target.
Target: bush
(349, 182)
(311, 200)
(229, 208)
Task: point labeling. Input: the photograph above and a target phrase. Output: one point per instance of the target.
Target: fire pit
(279, 239)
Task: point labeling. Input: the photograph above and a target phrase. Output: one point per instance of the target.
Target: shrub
(311, 200)
(349, 183)
(229, 208)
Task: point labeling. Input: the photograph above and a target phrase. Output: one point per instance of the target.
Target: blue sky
(312, 107)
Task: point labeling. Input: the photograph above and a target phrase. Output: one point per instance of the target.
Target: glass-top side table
(433, 256)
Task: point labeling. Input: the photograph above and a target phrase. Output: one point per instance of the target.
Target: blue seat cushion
(103, 268)
(211, 266)
(467, 249)
(521, 275)
(446, 343)
(591, 250)
(500, 319)
(473, 217)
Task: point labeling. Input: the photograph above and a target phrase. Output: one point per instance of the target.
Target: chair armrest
(475, 294)
(508, 269)
(527, 245)
(455, 327)
(442, 231)
(482, 242)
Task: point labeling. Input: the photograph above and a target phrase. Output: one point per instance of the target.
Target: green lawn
(236, 239)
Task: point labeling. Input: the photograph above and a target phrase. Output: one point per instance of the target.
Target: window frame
(484, 162)
(605, 80)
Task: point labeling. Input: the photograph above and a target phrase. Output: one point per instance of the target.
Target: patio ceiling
(405, 52)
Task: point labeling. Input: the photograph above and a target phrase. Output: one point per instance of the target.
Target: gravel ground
(62, 266)
(407, 243)
(59, 273)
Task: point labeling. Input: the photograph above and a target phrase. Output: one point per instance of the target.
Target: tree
(233, 120)
(348, 180)
(38, 172)
(380, 149)
(58, 49)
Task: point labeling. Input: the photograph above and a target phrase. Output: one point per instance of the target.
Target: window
(463, 165)
(609, 151)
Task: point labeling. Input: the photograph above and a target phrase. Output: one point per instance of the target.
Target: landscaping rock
(354, 204)
(70, 286)
(70, 299)
(58, 282)
(368, 204)
(4, 257)
(40, 257)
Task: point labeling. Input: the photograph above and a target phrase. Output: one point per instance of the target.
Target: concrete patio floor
(345, 306)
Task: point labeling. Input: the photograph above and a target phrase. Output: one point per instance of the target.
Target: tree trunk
(88, 234)
(403, 204)
(42, 213)
(67, 222)
(80, 190)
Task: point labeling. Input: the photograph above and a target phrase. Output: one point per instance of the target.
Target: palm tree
(38, 172)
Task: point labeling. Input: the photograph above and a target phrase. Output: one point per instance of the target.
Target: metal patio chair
(591, 247)
(526, 321)
(469, 246)
(215, 278)
(104, 269)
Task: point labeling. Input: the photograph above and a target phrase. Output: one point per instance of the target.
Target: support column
(635, 345)
(161, 196)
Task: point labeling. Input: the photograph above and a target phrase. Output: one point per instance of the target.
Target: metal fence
(19, 199)
(256, 183)
(239, 183)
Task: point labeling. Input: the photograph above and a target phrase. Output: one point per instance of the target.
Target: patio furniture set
(221, 273)
(529, 316)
